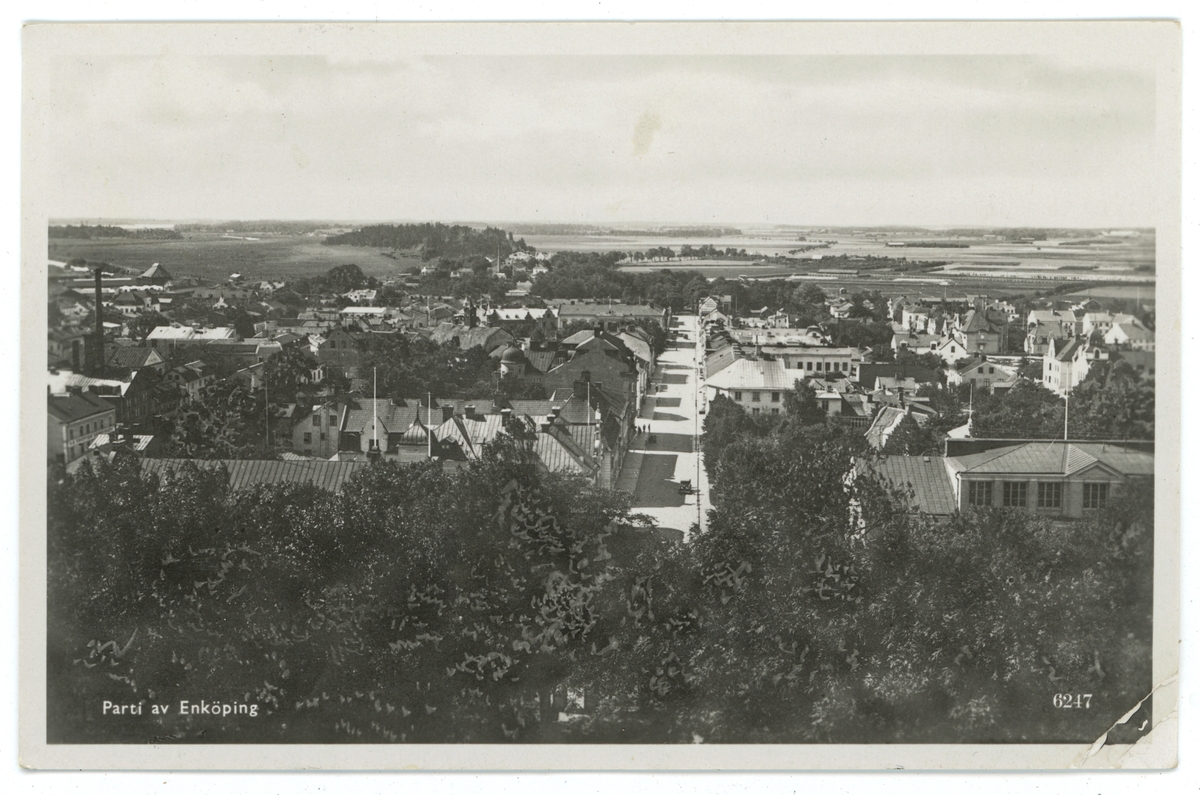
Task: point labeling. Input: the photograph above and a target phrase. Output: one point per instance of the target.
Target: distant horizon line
(127, 221)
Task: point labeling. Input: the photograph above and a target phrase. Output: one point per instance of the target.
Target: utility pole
(267, 406)
(1067, 409)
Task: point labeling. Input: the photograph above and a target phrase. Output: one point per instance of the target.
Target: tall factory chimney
(96, 361)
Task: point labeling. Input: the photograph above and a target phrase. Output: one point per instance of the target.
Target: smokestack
(98, 365)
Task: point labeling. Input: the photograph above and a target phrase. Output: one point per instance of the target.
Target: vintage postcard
(600, 396)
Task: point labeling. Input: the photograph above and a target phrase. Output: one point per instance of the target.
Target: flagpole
(1067, 409)
(375, 408)
(428, 423)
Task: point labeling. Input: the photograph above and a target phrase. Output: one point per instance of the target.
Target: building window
(1095, 495)
(774, 411)
(1049, 495)
(322, 437)
(308, 438)
(808, 365)
(737, 396)
(316, 420)
(774, 397)
(1016, 494)
(755, 410)
(755, 397)
(979, 492)
(332, 420)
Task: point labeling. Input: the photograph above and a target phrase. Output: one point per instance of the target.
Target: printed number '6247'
(1073, 700)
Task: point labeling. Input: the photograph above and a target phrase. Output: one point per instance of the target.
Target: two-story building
(757, 385)
(983, 373)
(73, 419)
(1065, 365)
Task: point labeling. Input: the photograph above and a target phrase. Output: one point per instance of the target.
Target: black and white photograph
(439, 392)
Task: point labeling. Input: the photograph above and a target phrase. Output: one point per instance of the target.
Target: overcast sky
(948, 140)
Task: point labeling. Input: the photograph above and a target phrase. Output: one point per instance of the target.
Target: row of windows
(757, 410)
(756, 397)
(89, 427)
(316, 418)
(1015, 494)
(829, 366)
(308, 438)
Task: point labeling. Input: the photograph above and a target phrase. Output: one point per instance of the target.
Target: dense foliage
(93, 232)
(433, 240)
(477, 605)
(337, 281)
(1122, 408)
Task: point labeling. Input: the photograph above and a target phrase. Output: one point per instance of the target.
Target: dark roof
(1068, 351)
(718, 360)
(131, 357)
(542, 361)
(981, 320)
(76, 406)
(559, 451)
(330, 475)
(932, 491)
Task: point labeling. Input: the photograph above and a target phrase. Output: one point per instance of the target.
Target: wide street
(653, 470)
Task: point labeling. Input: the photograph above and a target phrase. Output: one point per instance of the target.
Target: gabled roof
(719, 359)
(133, 357)
(978, 321)
(559, 451)
(156, 271)
(885, 422)
(1133, 332)
(1070, 350)
(1054, 458)
(542, 361)
(637, 345)
(753, 374)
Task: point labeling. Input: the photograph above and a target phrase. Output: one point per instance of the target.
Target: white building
(756, 385)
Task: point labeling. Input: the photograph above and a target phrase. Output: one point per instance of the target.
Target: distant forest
(433, 240)
(260, 227)
(88, 232)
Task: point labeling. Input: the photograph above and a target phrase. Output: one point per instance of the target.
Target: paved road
(652, 471)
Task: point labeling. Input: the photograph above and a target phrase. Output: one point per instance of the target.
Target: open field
(214, 257)
(1142, 293)
(995, 268)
